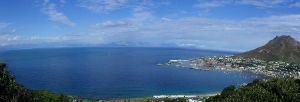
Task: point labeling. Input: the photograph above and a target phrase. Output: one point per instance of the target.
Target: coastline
(232, 63)
(187, 95)
(201, 96)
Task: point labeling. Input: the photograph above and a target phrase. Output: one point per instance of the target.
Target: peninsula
(278, 58)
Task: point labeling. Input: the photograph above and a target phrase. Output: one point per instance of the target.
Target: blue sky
(235, 25)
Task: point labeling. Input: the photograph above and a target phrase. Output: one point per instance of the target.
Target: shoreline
(187, 95)
(231, 63)
(156, 97)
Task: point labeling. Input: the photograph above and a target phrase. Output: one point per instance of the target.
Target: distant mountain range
(281, 48)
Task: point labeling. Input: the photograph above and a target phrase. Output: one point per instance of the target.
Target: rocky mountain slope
(281, 48)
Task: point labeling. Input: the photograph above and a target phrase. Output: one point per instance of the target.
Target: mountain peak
(284, 40)
(285, 37)
(283, 48)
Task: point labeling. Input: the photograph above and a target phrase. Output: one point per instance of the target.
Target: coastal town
(232, 63)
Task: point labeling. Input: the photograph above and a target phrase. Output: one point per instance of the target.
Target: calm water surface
(117, 72)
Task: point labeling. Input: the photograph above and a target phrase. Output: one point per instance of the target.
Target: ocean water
(117, 72)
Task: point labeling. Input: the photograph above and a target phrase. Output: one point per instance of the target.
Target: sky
(231, 25)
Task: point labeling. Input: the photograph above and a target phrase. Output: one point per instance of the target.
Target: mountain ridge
(281, 48)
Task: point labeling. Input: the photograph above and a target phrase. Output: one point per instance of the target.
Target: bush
(264, 90)
(11, 91)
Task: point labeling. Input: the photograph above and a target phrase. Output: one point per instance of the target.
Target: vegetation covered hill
(11, 91)
(264, 90)
(281, 48)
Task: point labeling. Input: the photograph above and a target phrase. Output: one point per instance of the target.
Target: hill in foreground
(264, 90)
(11, 91)
(281, 48)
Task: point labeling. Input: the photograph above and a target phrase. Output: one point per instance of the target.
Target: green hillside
(264, 90)
(11, 91)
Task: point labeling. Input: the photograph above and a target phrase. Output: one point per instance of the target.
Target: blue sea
(120, 72)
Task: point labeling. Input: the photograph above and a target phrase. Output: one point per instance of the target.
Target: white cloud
(193, 32)
(200, 32)
(263, 3)
(101, 6)
(33, 41)
(106, 6)
(50, 9)
(296, 4)
(7, 34)
(188, 31)
(206, 4)
(3, 25)
(211, 3)
(6, 29)
(110, 24)
(166, 19)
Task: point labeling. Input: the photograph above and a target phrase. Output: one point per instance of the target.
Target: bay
(121, 72)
